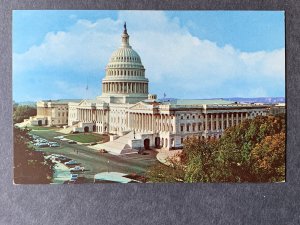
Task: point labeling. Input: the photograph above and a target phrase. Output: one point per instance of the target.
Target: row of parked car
(41, 142)
(67, 161)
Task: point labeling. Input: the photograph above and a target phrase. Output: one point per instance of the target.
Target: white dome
(125, 73)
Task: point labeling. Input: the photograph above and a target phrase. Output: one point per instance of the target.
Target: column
(222, 120)
(217, 121)
(232, 122)
(153, 123)
(241, 116)
(211, 122)
(206, 121)
(237, 118)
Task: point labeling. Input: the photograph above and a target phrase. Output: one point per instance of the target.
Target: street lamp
(107, 166)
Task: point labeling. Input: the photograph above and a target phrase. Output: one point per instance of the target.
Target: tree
(252, 151)
(21, 112)
(268, 159)
(199, 157)
(238, 141)
(162, 173)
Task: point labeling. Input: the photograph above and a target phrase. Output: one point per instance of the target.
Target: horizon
(226, 98)
(186, 54)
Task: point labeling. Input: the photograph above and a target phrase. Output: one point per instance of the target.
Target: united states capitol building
(136, 119)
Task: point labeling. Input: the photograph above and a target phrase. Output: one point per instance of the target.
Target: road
(95, 162)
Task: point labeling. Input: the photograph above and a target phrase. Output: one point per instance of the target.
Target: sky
(186, 54)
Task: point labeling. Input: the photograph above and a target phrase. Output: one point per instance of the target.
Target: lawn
(42, 128)
(85, 137)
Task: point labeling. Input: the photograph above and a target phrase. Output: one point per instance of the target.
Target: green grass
(85, 137)
(41, 128)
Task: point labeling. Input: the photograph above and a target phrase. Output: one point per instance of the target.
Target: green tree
(252, 151)
(235, 146)
(21, 112)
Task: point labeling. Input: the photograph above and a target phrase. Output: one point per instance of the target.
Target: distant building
(277, 109)
(52, 113)
(135, 118)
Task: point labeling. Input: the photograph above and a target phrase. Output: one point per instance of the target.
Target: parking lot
(93, 161)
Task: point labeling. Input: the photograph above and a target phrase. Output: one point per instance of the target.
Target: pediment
(141, 106)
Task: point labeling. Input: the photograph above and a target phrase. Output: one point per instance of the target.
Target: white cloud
(173, 57)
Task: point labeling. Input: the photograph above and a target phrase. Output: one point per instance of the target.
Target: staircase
(118, 146)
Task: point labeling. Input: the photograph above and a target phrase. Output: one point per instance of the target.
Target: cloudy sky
(187, 54)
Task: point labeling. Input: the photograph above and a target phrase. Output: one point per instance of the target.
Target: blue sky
(187, 54)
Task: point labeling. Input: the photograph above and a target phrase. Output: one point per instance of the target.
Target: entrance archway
(94, 128)
(147, 143)
(86, 129)
(157, 142)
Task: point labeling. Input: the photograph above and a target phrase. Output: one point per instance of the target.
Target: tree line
(30, 166)
(252, 151)
(21, 112)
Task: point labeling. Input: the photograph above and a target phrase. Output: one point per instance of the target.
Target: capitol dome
(125, 73)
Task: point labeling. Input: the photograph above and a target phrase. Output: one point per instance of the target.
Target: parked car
(53, 144)
(73, 177)
(42, 140)
(62, 159)
(72, 162)
(72, 142)
(42, 145)
(59, 137)
(77, 168)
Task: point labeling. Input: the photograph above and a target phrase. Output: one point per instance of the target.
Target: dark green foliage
(23, 112)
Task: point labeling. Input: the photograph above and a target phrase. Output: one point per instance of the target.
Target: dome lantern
(125, 38)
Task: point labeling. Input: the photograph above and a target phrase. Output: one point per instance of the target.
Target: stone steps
(118, 146)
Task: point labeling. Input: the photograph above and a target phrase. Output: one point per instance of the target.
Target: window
(187, 117)
(181, 141)
(181, 128)
(188, 127)
(181, 117)
(193, 117)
